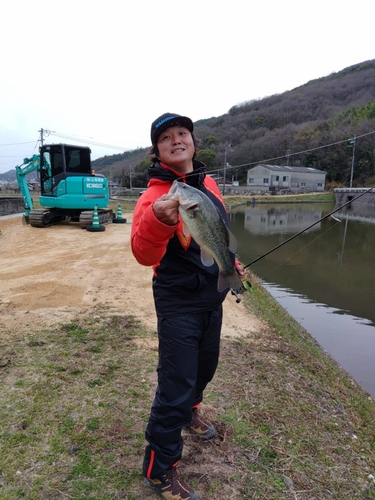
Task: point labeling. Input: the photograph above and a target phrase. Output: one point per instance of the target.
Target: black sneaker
(171, 487)
(200, 426)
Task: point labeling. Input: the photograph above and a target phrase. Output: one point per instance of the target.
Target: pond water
(324, 278)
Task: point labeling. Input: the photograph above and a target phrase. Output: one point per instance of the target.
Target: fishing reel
(235, 293)
(246, 285)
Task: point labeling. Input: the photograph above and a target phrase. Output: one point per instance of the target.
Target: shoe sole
(151, 485)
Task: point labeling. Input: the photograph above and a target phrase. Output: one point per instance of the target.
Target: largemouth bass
(203, 221)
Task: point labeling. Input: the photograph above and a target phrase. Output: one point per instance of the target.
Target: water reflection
(276, 220)
(361, 213)
(326, 274)
(348, 339)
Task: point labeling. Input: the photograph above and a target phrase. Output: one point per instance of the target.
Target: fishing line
(310, 243)
(308, 227)
(300, 250)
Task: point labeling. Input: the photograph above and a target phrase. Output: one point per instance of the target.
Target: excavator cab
(59, 161)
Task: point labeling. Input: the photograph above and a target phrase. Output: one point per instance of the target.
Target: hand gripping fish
(204, 222)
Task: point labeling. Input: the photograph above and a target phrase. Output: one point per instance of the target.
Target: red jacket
(181, 283)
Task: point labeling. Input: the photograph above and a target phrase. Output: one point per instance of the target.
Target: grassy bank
(74, 403)
(298, 198)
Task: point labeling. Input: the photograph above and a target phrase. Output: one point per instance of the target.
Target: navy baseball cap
(169, 120)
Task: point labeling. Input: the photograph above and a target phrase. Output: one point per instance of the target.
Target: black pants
(188, 356)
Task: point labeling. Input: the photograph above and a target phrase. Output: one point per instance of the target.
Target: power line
(87, 141)
(299, 152)
(72, 137)
(17, 143)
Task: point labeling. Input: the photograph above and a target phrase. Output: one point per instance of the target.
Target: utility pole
(43, 132)
(110, 181)
(227, 146)
(288, 153)
(41, 136)
(352, 142)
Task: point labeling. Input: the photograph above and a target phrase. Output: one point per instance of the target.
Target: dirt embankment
(53, 274)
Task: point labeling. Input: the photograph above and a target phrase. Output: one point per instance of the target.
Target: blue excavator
(70, 190)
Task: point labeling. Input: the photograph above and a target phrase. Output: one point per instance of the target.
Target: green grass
(75, 399)
(68, 412)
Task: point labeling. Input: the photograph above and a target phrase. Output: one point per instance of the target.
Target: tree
(206, 156)
(211, 140)
(305, 135)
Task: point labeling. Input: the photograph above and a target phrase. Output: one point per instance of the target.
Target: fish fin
(206, 259)
(232, 242)
(185, 230)
(231, 280)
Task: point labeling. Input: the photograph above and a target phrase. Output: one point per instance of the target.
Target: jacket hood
(165, 173)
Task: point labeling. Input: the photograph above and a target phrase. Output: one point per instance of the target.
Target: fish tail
(229, 280)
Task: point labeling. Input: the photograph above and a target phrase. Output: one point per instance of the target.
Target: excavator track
(85, 218)
(39, 217)
(44, 217)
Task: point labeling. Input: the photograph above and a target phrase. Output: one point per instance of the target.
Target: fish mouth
(193, 207)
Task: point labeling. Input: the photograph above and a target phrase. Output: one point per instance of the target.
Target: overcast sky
(103, 71)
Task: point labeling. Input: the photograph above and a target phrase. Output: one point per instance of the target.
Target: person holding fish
(180, 228)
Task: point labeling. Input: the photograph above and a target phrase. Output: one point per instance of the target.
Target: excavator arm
(29, 165)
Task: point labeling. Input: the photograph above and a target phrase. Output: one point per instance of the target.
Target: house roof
(285, 168)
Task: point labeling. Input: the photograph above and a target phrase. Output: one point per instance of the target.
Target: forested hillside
(319, 124)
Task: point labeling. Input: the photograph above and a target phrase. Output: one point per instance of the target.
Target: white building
(278, 177)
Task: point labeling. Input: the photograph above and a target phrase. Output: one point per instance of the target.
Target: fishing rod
(308, 227)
